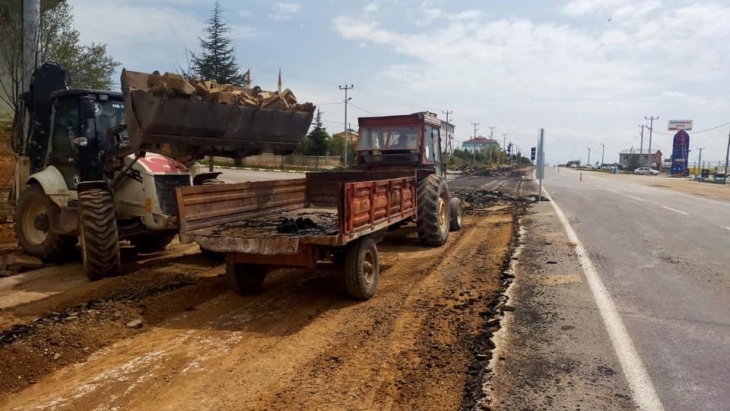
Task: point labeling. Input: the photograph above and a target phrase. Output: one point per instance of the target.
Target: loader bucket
(176, 126)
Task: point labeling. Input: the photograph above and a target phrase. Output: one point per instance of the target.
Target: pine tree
(318, 138)
(216, 60)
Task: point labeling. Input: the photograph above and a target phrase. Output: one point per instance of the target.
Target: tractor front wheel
(35, 217)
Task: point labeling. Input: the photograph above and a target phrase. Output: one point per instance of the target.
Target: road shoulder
(553, 351)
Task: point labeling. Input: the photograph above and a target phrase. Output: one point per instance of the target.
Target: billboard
(676, 125)
(680, 154)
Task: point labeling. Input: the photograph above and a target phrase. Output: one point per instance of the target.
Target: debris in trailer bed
(298, 224)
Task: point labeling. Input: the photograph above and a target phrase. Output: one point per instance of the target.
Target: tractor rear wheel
(99, 234)
(362, 269)
(433, 211)
(35, 217)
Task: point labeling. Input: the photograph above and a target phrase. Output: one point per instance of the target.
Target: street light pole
(344, 136)
(589, 156)
(603, 151)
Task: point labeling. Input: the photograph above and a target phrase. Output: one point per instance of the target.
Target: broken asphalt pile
(481, 200)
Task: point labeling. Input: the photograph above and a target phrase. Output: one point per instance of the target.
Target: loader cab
(404, 142)
(80, 121)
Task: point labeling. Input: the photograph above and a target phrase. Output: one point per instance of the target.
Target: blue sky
(587, 71)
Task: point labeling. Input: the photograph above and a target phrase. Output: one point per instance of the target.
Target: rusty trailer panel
(241, 219)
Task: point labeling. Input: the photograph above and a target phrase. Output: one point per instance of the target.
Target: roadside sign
(532, 154)
(676, 125)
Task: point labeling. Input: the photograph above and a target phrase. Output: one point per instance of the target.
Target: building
(480, 144)
(351, 136)
(631, 158)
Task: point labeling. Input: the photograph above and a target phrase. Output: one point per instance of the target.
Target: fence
(268, 160)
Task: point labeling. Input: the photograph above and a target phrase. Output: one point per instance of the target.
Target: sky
(587, 71)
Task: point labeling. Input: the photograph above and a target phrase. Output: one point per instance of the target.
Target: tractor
(404, 143)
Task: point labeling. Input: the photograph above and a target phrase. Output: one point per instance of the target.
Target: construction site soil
(170, 334)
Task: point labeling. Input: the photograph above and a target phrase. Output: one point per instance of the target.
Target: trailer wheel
(362, 269)
(99, 234)
(151, 243)
(246, 279)
(456, 212)
(433, 211)
(35, 216)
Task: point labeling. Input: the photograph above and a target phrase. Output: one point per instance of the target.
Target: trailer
(326, 220)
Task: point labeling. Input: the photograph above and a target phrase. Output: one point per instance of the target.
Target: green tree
(318, 139)
(216, 59)
(90, 66)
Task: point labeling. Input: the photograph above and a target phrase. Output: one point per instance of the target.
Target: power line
(362, 109)
(699, 131)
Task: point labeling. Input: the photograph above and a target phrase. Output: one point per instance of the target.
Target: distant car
(646, 171)
(574, 165)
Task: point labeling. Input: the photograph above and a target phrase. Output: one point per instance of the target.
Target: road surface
(664, 258)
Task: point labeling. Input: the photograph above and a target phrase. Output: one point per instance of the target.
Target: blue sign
(680, 154)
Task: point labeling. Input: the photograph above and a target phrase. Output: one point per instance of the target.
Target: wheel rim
(32, 213)
(368, 268)
(443, 214)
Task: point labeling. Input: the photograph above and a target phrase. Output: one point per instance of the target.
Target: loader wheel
(362, 269)
(35, 217)
(98, 232)
(246, 279)
(152, 242)
(433, 211)
(456, 211)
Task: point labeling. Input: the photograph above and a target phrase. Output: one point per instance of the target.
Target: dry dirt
(420, 344)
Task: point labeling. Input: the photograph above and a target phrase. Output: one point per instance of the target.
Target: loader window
(65, 129)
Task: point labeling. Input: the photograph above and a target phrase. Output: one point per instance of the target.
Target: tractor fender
(54, 185)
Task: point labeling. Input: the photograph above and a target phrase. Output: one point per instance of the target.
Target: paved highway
(664, 258)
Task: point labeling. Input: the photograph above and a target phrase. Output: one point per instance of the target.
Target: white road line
(727, 228)
(642, 388)
(635, 198)
(675, 210)
(613, 191)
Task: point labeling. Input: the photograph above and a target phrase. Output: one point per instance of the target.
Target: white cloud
(285, 11)
(371, 8)
(245, 14)
(567, 77)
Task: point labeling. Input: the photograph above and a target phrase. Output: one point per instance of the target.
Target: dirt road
(171, 335)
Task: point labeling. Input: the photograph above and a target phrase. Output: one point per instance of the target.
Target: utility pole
(603, 151)
(589, 156)
(651, 131)
(491, 145)
(641, 147)
(473, 145)
(344, 136)
(449, 148)
(727, 157)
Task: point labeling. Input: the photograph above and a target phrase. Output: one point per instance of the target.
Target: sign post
(540, 162)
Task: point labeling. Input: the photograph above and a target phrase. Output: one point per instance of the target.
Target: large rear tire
(99, 234)
(246, 279)
(362, 269)
(151, 243)
(35, 217)
(433, 211)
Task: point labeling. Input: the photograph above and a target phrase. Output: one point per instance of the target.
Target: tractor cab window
(65, 130)
(431, 150)
(108, 114)
(389, 138)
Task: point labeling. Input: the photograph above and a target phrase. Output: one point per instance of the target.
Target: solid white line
(635, 198)
(675, 210)
(642, 388)
(727, 228)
